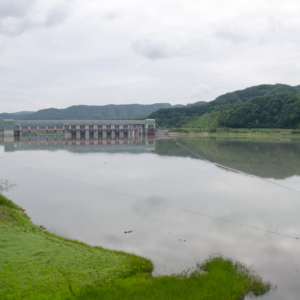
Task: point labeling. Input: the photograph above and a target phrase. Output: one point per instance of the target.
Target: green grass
(208, 120)
(295, 132)
(239, 132)
(40, 265)
(36, 264)
(216, 278)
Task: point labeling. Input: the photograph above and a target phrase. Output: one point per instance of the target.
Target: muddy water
(180, 208)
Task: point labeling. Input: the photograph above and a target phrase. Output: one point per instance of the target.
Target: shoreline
(48, 266)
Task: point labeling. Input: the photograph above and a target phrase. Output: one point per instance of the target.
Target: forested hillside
(82, 112)
(277, 111)
(259, 106)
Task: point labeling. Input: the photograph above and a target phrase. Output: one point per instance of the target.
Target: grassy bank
(40, 265)
(217, 278)
(243, 132)
(36, 264)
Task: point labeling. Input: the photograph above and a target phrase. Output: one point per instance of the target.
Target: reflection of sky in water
(94, 205)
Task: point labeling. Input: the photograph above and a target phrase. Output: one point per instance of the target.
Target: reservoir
(184, 199)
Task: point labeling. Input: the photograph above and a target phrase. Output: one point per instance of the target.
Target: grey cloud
(234, 35)
(56, 16)
(272, 27)
(149, 47)
(15, 22)
(273, 24)
(14, 27)
(155, 48)
(186, 91)
(201, 90)
(111, 15)
(15, 8)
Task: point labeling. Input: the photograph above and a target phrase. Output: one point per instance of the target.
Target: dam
(87, 128)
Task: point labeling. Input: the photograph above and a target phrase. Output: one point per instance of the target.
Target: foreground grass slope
(217, 278)
(39, 265)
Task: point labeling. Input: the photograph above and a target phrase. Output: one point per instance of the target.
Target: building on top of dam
(81, 127)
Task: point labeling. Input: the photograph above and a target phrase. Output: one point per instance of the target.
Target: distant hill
(16, 115)
(209, 113)
(81, 112)
(23, 113)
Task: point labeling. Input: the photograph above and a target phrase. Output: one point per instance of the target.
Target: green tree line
(259, 106)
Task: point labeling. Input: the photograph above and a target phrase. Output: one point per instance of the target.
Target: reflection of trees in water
(263, 158)
(5, 185)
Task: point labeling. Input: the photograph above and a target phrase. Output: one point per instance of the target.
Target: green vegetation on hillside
(85, 112)
(259, 106)
(36, 264)
(276, 111)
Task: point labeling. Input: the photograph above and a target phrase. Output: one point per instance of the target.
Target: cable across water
(154, 202)
(237, 171)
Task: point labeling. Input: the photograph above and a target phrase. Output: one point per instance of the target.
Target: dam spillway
(94, 128)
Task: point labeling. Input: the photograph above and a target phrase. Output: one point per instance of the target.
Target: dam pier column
(87, 135)
(113, 134)
(96, 135)
(8, 128)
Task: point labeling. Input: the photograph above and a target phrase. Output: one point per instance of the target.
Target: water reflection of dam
(54, 142)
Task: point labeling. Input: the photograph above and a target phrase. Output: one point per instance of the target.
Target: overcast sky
(58, 53)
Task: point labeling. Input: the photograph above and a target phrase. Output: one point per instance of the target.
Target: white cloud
(68, 52)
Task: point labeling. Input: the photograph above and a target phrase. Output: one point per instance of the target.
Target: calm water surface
(165, 195)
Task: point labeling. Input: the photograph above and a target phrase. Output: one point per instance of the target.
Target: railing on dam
(94, 127)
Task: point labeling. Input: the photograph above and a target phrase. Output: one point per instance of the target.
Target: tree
(5, 185)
